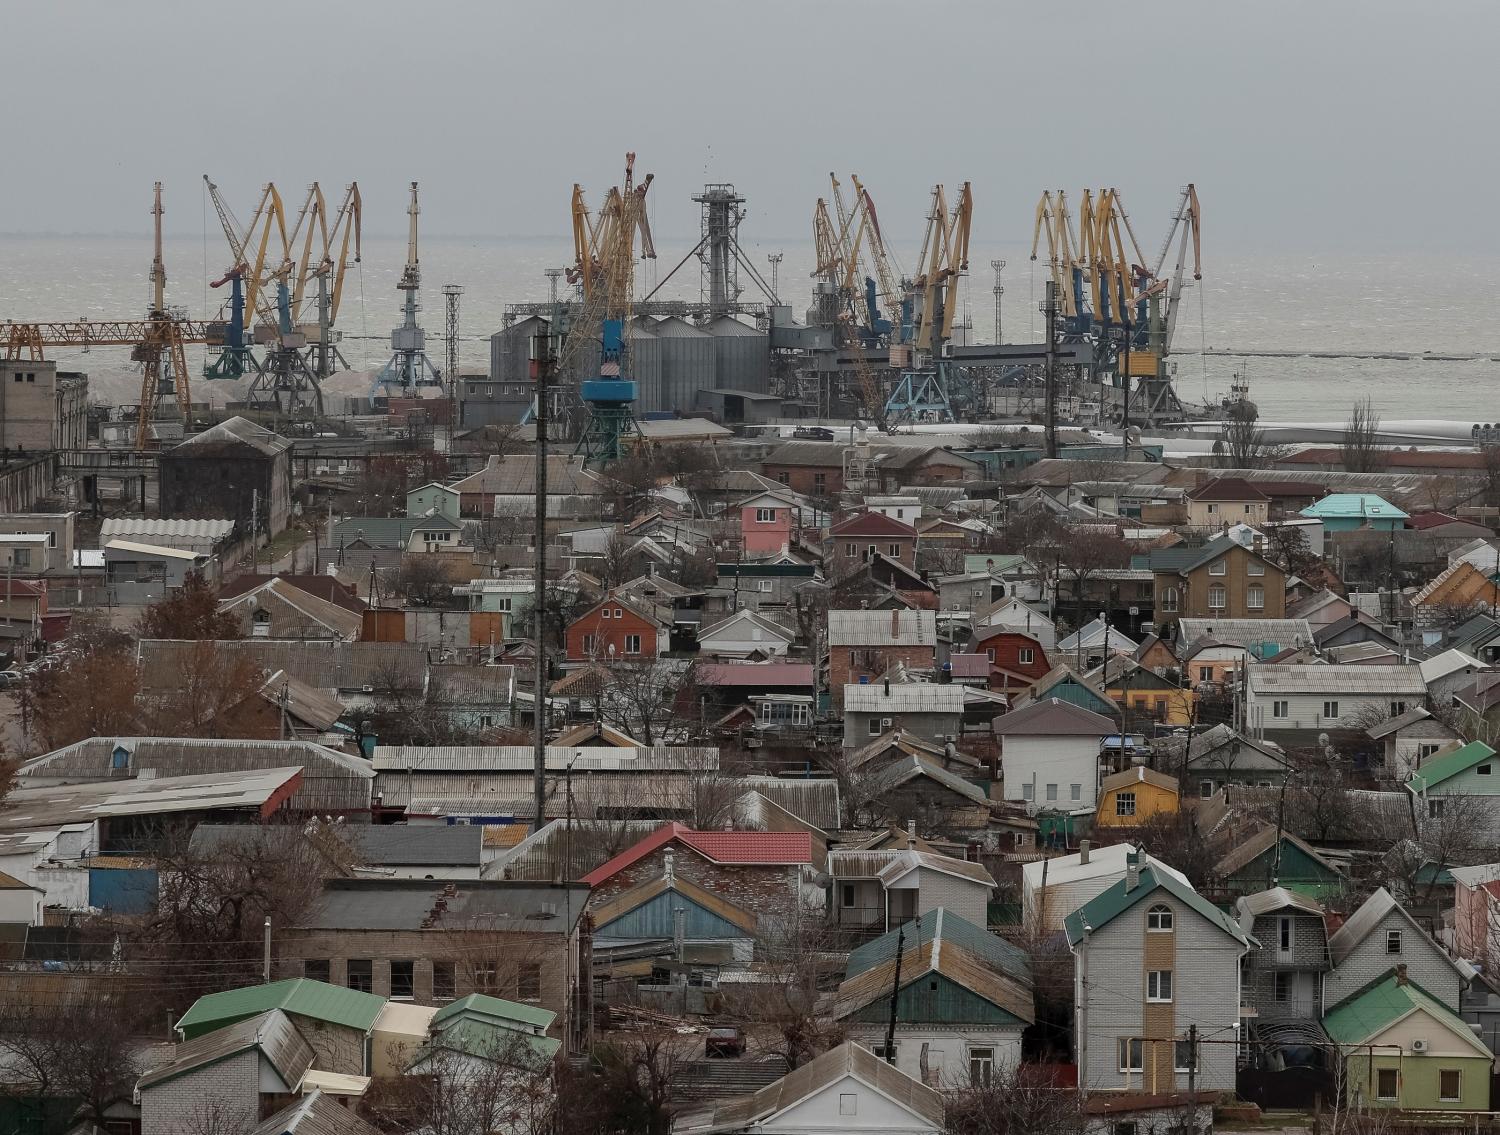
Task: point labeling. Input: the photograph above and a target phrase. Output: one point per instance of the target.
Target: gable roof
(1392, 724)
(909, 768)
(904, 862)
(1445, 767)
(302, 702)
(882, 628)
(1367, 1014)
(343, 622)
(1227, 489)
(272, 1032)
(1183, 560)
(496, 1008)
(301, 996)
(769, 849)
(1138, 774)
(1105, 907)
(626, 901)
(1246, 633)
(872, 524)
(1053, 717)
(747, 615)
(941, 924)
(1247, 850)
(1359, 925)
(1251, 907)
(1347, 678)
(234, 431)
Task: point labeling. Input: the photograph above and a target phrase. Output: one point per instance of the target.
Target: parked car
(724, 1042)
(10, 678)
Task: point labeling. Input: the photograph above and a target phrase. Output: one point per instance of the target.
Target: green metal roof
(302, 996)
(949, 927)
(482, 1005)
(1362, 506)
(1104, 908)
(1381, 1005)
(1439, 769)
(475, 1037)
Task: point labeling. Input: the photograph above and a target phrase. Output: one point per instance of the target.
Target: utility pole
(890, 1029)
(1192, 1065)
(1049, 397)
(999, 266)
(1125, 373)
(542, 360)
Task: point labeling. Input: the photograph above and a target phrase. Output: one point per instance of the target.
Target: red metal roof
(872, 524)
(970, 665)
(768, 848)
(755, 674)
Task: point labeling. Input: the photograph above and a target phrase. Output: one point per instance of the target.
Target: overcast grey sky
(1306, 124)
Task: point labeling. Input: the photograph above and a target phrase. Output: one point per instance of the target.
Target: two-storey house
(856, 541)
(1376, 938)
(1155, 965)
(1284, 978)
(1050, 755)
(879, 890)
(767, 521)
(1221, 579)
(864, 644)
(1226, 501)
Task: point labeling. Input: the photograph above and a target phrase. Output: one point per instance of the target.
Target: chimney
(911, 831)
(887, 685)
(895, 622)
(1401, 974)
(668, 870)
(1132, 870)
(1083, 851)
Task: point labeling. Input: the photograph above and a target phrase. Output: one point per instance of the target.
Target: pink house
(1476, 911)
(766, 522)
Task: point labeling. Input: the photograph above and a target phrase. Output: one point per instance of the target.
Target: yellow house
(1145, 695)
(1130, 798)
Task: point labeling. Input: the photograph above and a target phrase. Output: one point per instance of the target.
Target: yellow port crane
(944, 258)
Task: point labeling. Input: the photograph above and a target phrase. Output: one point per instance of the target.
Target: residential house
(618, 628)
(1055, 887)
(1154, 961)
(1344, 512)
(880, 890)
(1409, 739)
(1359, 627)
(1448, 672)
(1225, 501)
(693, 926)
(1064, 683)
(847, 1089)
(1094, 642)
(1015, 660)
(1478, 705)
(1221, 579)
(1459, 592)
(357, 542)
(1258, 640)
(1376, 938)
(280, 609)
(857, 539)
(1271, 858)
(1135, 796)
(931, 711)
(1449, 780)
(864, 644)
(1404, 1049)
(968, 591)
(335, 1022)
(1222, 756)
(731, 684)
(432, 941)
(1018, 615)
(962, 1000)
(916, 790)
(1288, 702)
(433, 499)
(1476, 914)
(1050, 755)
(511, 479)
(742, 634)
(138, 573)
(1284, 978)
(753, 585)
(767, 523)
(1145, 696)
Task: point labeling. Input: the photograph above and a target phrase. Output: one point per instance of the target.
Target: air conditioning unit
(886, 723)
(369, 689)
(1419, 1045)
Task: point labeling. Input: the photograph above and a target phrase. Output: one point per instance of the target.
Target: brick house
(766, 524)
(1016, 659)
(757, 871)
(617, 626)
(1222, 579)
(864, 644)
(856, 540)
(432, 942)
(335, 1023)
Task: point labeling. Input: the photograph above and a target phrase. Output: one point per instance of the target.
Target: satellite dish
(1322, 740)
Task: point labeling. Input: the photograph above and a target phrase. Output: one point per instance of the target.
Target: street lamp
(998, 266)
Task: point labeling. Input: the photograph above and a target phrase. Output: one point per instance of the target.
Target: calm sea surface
(1356, 304)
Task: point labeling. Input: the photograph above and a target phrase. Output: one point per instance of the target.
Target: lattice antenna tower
(451, 292)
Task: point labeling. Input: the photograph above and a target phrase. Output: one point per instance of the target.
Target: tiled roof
(757, 848)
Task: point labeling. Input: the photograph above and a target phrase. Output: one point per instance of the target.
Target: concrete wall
(1043, 761)
(41, 409)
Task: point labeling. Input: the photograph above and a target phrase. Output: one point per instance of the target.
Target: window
(1184, 1059)
(884, 1052)
(1159, 919)
(901, 514)
(1283, 987)
(765, 516)
(1075, 792)
(1255, 597)
(1212, 508)
(1483, 770)
(484, 976)
(1398, 708)
(605, 614)
(990, 654)
(981, 1066)
(361, 975)
(21, 557)
(443, 985)
(1393, 941)
(473, 390)
(1284, 934)
(1425, 751)
(1169, 599)
(316, 969)
(403, 980)
(1385, 1083)
(1125, 803)
(1218, 567)
(1027, 656)
(1028, 792)
(820, 482)
(1205, 673)
(874, 727)
(529, 982)
(893, 550)
(1255, 566)
(1126, 1127)
(870, 552)
(1159, 985)
(786, 478)
(589, 643)
(1330, 709)
(1051, 792)
(632, 644)
(846, 894)
(1205, 788)
(1130, 1054)
(851, 550)
(1217, 597)
(1435, 809)
(619, 613)
(1450, 1081)
(848, 1103)
(1279, 708)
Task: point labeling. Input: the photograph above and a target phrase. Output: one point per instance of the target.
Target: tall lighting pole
(998, 266)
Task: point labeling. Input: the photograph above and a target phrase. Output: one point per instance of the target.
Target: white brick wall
(231, 1088)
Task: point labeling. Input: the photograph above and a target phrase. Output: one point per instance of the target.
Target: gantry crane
(158, 342)
(409, 367)
(315, 316)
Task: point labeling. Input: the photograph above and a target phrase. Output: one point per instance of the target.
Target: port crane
(157, 342)
(409, 367)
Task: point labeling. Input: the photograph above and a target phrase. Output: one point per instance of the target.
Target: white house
(890, 886)
(1049, 754)
(743, 633)
(1408, 740)
(1052, 889)
(848, 1089)
(20, 903)
(1286, 698)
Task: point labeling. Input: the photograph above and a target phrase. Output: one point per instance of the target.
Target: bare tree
(639, 698)
(425, 579)
(796, 953)
(1082, 553)
(618, 561)
(216, 696)
(1244, 444)
(80, 1046)
(192, 612)
(502, 1085)
(1287, 547)
(1360, 447)
(86, 686)
(1010, 1104)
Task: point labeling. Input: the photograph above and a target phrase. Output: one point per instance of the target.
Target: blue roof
(1361, 506)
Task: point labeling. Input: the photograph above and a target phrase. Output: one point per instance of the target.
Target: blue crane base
(920, 396)
(604, 437)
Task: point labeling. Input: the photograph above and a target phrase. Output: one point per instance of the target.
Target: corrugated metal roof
(152, 526)
(1368, 1014)
(304, 703)
(906, 861)
(299, 996)
(1053, 717)
(516, 758)
(138, 549)
(272, 1032)
(903, 697)
(406, 904)
(1246, 633)
(483, 1005)
(1246, 851)
(1103, 908)
(882, 628)
(1272, 678)
(317, 1113)
(237, 431)
(28, 808)
(943, 925)
(321, 664)
(1438, 769)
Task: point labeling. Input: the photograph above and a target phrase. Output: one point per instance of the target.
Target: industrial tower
(409, 366)
(718, 248)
